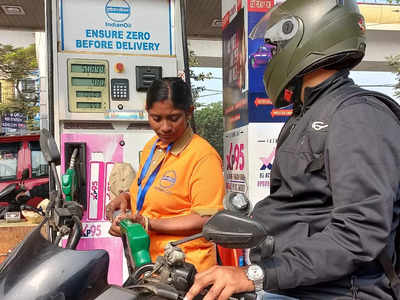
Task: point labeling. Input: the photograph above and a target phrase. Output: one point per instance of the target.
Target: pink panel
(112, 152)
(115, 250)
(96, 200)
(108, 145)
(107, 188)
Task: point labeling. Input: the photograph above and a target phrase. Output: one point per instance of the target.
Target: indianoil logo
(168, 180)
(118, 10)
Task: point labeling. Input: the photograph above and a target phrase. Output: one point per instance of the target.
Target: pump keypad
(119, 89)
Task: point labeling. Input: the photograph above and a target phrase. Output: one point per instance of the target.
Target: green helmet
(309, 35)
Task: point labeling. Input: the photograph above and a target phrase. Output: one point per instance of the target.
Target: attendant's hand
(138, 219)
(224, 281)
(121, 202)
(115, 228)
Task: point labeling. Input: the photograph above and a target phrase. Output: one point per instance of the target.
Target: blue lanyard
(143, 190)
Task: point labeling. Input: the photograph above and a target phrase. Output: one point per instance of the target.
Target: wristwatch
(256, 274)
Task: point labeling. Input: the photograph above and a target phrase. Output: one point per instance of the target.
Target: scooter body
(38, 269)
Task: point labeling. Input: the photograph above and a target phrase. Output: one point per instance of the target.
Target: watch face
(255, 272)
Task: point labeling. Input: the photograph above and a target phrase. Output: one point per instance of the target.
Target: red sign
(281, 112)
(235, 158)
(262, 101)
(234, 118)
(260, 5)
(242, 103)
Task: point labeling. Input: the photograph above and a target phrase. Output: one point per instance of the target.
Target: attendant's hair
(173, 88)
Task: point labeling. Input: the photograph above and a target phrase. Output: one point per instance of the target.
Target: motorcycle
(39, 269)
(15, 205)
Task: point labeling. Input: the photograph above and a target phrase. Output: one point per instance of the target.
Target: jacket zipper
(354, 287)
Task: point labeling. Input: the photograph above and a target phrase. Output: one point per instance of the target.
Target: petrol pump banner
(234, 67)
(235, 162)
(261, 148)
(119, 26)
(259, 105)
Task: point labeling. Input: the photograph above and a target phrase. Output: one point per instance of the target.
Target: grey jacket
(331, 224)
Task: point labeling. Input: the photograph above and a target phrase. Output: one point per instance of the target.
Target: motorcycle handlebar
(76, 233)
(34, 209)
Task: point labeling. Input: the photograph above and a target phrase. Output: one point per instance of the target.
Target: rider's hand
(224, 281)
(121, 202)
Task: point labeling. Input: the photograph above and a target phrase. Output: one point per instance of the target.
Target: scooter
(39, 269)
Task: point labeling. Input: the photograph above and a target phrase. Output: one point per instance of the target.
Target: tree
(395, 62)
(193, 62)
(210, 124)
(16, 65)
(208, 118)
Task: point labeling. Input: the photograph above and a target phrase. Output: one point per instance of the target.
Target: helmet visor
(277, 27)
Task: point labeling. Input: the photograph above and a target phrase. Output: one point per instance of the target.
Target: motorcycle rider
(41, 190)
(331, 219)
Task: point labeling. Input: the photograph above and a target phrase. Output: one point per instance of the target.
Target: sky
(213, 86)
(378, 81)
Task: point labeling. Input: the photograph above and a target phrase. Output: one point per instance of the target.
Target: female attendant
(179, 184)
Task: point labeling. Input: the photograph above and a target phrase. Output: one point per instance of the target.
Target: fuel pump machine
(106, 54)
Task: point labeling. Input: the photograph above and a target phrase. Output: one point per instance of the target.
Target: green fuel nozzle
(137, 241)
(68, 180)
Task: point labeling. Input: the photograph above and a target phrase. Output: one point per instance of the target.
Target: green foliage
(209, 124)
(208, 118)
(394, 61)
(17, 64)
(193, 62)
(393, 1)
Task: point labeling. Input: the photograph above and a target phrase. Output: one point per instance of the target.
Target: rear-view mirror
(233, 230)
(49, 147)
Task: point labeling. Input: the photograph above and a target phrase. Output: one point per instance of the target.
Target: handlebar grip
(75, 235)
(31, 208)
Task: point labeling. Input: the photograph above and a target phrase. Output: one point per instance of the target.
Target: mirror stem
(58, 184)
(187, 239)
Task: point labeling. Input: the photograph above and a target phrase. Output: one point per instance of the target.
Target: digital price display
(88, 85)
(81, 68)
(76, 81)
(88, 94)
(88, 104)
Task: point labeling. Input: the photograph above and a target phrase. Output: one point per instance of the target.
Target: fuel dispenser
(106, 54)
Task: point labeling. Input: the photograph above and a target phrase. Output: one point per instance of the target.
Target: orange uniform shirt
(189, 181)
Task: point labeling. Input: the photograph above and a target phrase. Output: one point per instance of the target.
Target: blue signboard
(260, 107)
